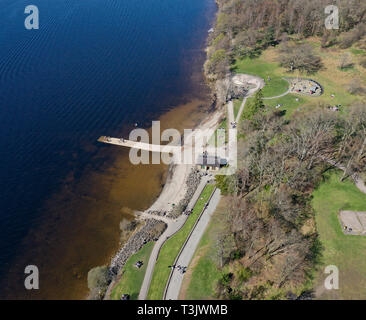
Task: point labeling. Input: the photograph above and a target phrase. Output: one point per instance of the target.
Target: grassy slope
(171, 249)
(205, 273)
(333, 80)
(289, 103)
(264, 69)
(347, 252)
(132, 277)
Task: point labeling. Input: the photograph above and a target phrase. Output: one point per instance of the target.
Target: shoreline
(176, 187)
(78, 223)
(181, 183)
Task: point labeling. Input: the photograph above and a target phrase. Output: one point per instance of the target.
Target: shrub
(328, 40)
(345, 61)
(235, 255)
(226, 279)
(235, 295)
(244, 274)
(221, 183)
(99, 278)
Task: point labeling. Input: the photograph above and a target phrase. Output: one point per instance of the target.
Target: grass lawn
(132, 277)
(333, 80)
(289, 103)
(264, 69)
(347, 252)
(171, 248)
(334, 86)
(237, 104)
(205, 274)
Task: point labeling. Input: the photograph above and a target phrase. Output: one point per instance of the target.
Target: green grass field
(171, 248)
(237, 104)
(347, 252)
(132, 277)
(263, 69)
(289, 103)
(333, 80)
(206, 273)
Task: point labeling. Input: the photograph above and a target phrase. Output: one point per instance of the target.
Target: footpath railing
(185, 243)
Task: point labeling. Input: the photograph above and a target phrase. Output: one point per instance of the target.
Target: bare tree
(345, 61)
(300, 57)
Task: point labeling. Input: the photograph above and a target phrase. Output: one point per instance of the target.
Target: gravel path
(230, 110)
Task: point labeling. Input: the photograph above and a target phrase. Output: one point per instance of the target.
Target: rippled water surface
(93, 68)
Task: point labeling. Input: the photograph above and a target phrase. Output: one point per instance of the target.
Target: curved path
(173, 227)
(172, 191)
(280, 96)
(259, 84)
(188, 250)
(283, 94)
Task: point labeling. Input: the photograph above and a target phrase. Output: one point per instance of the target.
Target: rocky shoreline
(192, 182)
(151, 229)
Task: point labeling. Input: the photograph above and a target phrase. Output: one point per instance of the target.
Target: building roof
(213, 161)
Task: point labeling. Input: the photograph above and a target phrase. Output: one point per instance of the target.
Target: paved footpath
(173, 227)
(230, 110)
(190, 247)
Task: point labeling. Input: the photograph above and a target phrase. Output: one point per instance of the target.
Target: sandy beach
(176, 185)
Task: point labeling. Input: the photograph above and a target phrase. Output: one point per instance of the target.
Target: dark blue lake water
(93, 68)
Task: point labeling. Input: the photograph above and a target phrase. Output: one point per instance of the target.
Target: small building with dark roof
(210, 163)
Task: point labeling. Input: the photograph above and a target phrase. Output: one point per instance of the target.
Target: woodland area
(281, 161)
(246, 27)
